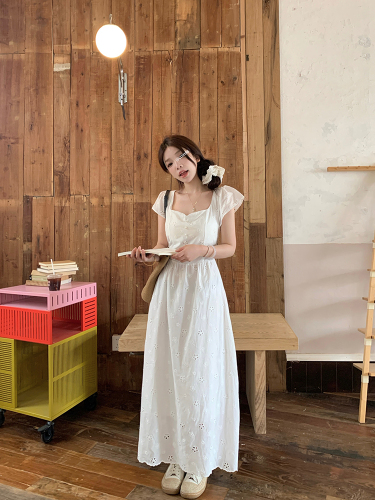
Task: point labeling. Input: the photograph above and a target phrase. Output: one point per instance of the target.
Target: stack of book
(67, 268)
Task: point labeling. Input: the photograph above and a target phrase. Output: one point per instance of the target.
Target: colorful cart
(48, 351)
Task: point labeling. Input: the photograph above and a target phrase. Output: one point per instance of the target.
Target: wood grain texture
(272, 118)
(100, 127)
(80, 23)
(42, 230)
(162, 67)
(256, 389)
(61, 18)
(100, 270)
(144, 25)
(276, 371)
(244, 100)
(208, 107)
(230, 116)
(38, 146)
(230, 23)
(210, 23)
(27, 221)
(170, 89)
(308, 437)
(13, 490)
(13, 29)
(38, 26)
(143, 124)
(142, 237)
(100, 12)
(61, 154)
(185, 94)
(105, 471)
(164, 26)
(123, 16)
(123, 130)
(62, 229)
(89, 479)
(251, 332)
(11, 126)
(255, 111)
(276, 360)
(100, 193)
(61, 129)
(275, 275)
(122, 268)
(111, 367)
(258, 268)
(11, 258)
(187, 24)
(80, 123)
(144, 493)
(60, 490)
(161, 126)
(230, 158)
(247, 254)
(80, 235)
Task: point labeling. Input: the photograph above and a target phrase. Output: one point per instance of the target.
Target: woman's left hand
(187, 253)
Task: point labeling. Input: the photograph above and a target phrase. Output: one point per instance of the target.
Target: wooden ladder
(367, 368)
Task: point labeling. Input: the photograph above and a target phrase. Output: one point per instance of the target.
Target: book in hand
(155, 251)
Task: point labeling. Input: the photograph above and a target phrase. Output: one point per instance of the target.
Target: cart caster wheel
(47, 435)
(2, 417)
(90, 402)
(46, 432)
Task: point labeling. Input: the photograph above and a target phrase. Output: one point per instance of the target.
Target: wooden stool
(253, 333)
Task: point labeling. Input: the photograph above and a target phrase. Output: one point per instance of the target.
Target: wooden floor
(314, 449)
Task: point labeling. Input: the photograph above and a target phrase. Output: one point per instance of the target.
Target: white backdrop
(327, 56)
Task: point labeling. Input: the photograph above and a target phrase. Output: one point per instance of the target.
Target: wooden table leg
(256, 388)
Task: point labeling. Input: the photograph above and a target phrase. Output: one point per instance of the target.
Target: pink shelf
(38, 298)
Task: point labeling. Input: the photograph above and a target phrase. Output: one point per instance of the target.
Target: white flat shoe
(193, 486)
(172, 479)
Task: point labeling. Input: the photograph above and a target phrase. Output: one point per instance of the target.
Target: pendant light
(111, 42)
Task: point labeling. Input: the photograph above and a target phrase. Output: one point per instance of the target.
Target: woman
(190, 406)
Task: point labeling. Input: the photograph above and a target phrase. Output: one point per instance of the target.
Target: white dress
(190, 405)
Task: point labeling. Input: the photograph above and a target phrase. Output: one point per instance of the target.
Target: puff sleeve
(229, 198)
(158, 206)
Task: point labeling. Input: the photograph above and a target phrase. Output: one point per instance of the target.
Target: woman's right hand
(139, 255)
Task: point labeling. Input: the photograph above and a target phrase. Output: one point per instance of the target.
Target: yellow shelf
(44, 381)
(34, 402)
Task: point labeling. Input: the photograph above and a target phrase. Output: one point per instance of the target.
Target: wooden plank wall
(262, 168)
(78, 182)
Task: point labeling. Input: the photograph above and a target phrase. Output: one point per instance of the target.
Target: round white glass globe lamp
(110, 40)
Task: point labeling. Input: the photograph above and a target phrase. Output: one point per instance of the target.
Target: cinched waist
(200, 261)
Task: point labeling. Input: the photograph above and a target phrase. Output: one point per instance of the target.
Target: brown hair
(182, 143)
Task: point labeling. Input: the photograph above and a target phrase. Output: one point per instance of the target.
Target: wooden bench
(253, 333)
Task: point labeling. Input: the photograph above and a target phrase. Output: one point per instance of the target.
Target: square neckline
(197, 212)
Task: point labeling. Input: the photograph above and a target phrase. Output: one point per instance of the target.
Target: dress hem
(162, 461)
